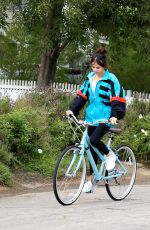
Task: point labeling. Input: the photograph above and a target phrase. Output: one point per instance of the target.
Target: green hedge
(33, 132)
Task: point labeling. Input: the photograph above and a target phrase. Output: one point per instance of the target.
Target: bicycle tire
(119, 188)
(67, 186)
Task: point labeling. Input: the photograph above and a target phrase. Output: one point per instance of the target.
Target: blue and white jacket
(107, 101)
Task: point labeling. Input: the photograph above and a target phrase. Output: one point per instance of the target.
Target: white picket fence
(18, 88)
(15, 88)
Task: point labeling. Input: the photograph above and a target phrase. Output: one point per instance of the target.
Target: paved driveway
(40, 211)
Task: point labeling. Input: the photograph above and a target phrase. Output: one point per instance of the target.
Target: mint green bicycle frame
(98, 173)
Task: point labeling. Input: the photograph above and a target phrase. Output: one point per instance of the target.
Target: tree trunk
(47, 69)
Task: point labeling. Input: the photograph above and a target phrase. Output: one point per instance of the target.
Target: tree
(19, 56)
(55, 24)
(3, 13)
(8, 52)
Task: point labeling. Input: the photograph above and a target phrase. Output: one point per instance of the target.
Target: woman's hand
(113, 120)
(68, 113)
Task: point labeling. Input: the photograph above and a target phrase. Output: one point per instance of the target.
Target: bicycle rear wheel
(120, 186)
(69, 175)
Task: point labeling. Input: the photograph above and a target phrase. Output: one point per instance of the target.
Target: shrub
(60, 132)
(5, 156)
(48, 100)
(5, 105)
(44, 164)
(140, 107)
(137, 130)
(23, 132)
(5, 176)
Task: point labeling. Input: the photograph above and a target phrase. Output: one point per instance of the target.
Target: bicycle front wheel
(69, 175)
(120, 186)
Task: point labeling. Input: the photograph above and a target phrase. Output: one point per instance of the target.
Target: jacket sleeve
(77, 104)
(81, 98)
(117, 100)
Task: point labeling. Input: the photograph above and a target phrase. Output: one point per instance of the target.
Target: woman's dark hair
(99, 57)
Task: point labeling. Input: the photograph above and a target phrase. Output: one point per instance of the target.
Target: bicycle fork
(73, 174)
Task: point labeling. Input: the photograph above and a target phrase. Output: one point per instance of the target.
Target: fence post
(129, 93)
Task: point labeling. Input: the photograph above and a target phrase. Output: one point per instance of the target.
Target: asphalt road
(41, 211)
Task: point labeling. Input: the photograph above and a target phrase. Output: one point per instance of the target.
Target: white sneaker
(110, 161)
(88, 187)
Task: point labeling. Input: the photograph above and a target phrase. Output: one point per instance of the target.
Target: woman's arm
(81, 98)
(117, 100)
(77, 104)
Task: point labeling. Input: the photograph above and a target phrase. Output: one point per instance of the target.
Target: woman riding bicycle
(106, 100)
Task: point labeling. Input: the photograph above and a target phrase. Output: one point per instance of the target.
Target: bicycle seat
(115, 130)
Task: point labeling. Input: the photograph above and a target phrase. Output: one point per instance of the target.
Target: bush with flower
(137, 130)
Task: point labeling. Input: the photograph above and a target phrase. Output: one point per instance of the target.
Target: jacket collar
(105, 76)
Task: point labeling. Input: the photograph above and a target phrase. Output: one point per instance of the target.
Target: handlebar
(84, 123)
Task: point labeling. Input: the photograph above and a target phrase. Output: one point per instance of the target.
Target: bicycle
(70, 171)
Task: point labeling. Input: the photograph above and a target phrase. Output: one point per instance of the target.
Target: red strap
(82, 95)
(118, 99)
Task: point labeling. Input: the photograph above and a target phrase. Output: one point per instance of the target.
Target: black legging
(96, 133)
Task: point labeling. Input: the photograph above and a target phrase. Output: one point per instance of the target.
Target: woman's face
(97, 69)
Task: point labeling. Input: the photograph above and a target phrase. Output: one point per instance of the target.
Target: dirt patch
(143, 174)
(28, 182)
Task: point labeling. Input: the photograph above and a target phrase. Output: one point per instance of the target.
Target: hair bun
(101, 50)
